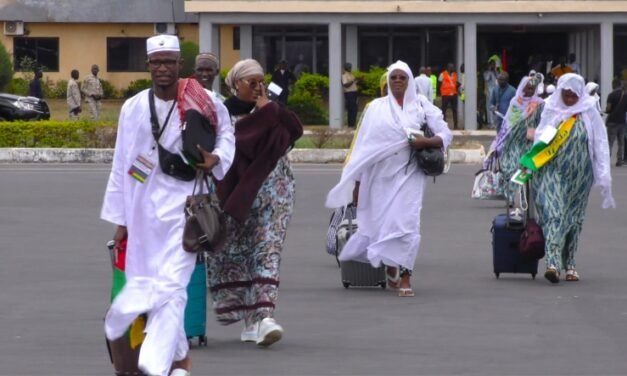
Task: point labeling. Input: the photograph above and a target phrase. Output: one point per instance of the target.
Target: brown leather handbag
(204, 219)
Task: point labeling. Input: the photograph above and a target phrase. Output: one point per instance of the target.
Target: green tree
(6, 67)
(189, 50)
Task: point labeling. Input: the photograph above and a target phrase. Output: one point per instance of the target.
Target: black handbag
(204, 219)
(429, 160)
(171, 164)
(197, 130)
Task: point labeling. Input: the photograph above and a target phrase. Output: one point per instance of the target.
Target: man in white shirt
(423, 84)
(146, 205)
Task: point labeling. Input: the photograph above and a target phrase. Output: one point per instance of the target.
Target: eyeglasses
(252, 84)
(168, 63)
(399, 77)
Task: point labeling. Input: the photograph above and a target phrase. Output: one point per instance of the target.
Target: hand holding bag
(430, 160)
(204, 219)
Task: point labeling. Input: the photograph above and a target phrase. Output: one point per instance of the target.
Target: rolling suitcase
(357, 273)
(506, 232)
(196, 308)
(124, 351)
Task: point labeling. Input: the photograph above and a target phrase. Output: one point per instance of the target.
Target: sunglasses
(251, 83)
(168, 63)
(399, 77)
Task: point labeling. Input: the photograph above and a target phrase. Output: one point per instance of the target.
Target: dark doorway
(526, 48)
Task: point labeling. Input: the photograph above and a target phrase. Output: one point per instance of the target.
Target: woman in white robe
(379, 179)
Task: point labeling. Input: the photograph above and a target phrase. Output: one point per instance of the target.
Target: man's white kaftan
(391, 191)
(157, 268)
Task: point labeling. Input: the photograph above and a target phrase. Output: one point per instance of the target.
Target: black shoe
(619, 164)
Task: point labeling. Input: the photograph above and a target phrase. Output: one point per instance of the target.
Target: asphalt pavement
(55, 282)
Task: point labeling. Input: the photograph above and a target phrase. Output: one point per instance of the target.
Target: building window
(45, 51)
(305, 48)
(126, 54)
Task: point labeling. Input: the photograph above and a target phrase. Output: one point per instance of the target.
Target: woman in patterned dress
(562, 186)
(257, 194)
(513, 140)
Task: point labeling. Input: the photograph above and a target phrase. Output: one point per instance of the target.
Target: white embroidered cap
(163, 42)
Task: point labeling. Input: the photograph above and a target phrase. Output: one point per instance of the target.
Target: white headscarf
(411, 113)
(593, 86)
(242, 69)
(555, 112)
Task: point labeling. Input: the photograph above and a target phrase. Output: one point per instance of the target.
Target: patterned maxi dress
(561, 191)
(244, 276)
(516, 144)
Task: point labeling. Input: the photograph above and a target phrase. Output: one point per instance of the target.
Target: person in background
(386, 189)
(517, 131)
(593, 90)
(257, 196)
(434, 83)
(548, 91)
(561, 68)
(616, 111)
(423, 84)
(572, 63)
(206, 68)
(490, 77)
(146, 204)
(449, 85)
(92, 92)
(561, 186)
(73, 96)
(500, 98)
(349, 83)
(34, 87)
(283, 77)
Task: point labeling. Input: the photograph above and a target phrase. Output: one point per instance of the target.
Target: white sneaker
(249, 334)
(269, 332)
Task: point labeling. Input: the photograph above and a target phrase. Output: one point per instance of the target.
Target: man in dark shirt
(616, 110)
(284, 78)
(34, 87)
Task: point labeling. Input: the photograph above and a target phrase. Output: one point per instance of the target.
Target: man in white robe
(157, 268)
(423, 84)
(389, 189)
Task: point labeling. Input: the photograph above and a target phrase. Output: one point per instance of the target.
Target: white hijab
(556, 111)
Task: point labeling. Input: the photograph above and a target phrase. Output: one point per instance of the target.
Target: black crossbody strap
(156, 132)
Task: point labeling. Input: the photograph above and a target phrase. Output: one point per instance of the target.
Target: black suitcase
(356, 273)
(506, 256)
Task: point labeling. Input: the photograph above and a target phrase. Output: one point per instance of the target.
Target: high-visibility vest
(449, 84)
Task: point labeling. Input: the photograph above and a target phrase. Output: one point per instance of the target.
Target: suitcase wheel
(497, 275)
(383, 285)
(202, 341)
(533, 275)
(346, 284)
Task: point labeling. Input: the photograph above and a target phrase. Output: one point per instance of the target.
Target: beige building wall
(82, 44)
(228, 56)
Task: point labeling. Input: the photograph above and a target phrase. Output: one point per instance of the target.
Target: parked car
(15, 107)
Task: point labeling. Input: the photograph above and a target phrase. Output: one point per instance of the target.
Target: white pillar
(350, 44)
(470, 62)
(459, 60)
(245, 42)
(336, 97)
(607, 60)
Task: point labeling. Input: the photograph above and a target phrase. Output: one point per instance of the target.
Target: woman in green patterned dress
(562, 186)
(516, 134)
